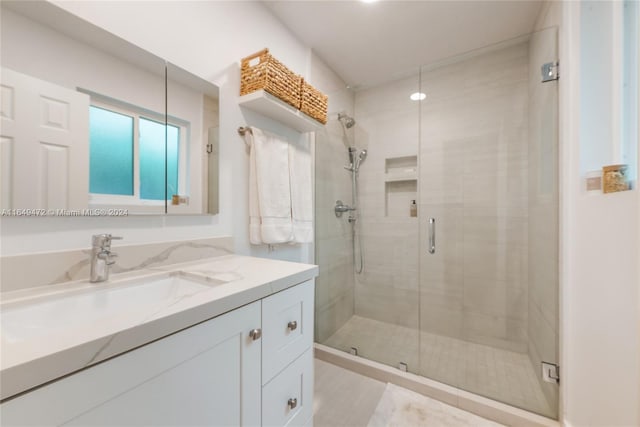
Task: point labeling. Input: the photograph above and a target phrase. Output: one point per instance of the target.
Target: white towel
(255, 237)
(269, 189)
(301, 190)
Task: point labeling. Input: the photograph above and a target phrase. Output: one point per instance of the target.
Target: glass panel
(173, 155)
(111, 152)
(376, 314)
(193, 105)
(488, 178)
(152, 160)
(476, 147)
(335, 285)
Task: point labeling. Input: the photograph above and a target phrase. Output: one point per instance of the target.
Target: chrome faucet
(101, 257)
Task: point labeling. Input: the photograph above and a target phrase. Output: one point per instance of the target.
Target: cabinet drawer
(287, 400)
(287, 327)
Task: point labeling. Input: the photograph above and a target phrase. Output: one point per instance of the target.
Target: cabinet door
(287, 400)
(208, 374)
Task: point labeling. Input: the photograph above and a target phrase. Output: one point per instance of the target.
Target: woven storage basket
(314, 103)
(272, 76)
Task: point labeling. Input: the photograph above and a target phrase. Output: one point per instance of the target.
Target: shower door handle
(432, 235)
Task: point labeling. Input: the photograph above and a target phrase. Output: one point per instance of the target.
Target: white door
(44, 144)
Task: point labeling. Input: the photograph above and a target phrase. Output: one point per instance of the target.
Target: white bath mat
(399, 407)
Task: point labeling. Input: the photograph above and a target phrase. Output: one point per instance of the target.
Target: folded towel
(269, 186)
(301, 190)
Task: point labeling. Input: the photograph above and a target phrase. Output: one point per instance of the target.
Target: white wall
(600, 336)
(208, 39)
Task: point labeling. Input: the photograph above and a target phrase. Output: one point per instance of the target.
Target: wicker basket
(314, 103)
(272, 76)
(614, 178)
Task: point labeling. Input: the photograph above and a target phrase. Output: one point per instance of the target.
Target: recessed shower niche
(401, 185)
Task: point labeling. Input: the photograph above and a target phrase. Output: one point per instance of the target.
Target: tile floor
(344, 398)
(498, 374)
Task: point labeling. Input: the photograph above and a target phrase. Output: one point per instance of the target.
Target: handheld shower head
(361, 157)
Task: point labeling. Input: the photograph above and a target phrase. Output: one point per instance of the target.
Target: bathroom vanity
(224, 341)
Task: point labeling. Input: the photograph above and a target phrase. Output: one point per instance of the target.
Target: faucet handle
(103, 240)
(107, 256)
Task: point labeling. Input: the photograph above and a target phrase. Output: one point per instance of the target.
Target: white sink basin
(42, 316)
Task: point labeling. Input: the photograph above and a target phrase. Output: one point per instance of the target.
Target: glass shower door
(381, 323)
(488, 203)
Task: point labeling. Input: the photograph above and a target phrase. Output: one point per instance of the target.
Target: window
(631, 51)
(127, 156)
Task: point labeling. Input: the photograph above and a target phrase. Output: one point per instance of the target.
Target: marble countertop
(27, 363)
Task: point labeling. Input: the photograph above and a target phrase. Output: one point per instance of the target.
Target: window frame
(136, 113)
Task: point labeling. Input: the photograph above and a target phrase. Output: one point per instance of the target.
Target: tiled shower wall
(333, 252)
(472, 180)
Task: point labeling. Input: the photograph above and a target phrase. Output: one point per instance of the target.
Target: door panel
(488, 181)
(48, 126)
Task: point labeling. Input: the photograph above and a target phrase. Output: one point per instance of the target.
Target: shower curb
(482, 406)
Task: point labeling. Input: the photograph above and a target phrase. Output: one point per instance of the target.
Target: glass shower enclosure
(456, 222)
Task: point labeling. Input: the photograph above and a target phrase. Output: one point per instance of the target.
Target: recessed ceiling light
(368, 1)
(418, 96)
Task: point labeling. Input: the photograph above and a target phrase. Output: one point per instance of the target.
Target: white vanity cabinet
(211, 374)
(287, 357)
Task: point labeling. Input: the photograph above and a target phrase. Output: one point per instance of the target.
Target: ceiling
(371, 43)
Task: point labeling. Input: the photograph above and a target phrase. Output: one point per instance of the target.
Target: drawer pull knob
(293, 325)
(293, 402)
(255, 334)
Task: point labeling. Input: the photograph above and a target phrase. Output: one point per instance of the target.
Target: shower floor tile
(498, 374)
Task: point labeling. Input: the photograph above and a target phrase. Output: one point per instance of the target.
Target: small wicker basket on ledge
(272, 76)
(614, 178)
(313, 102)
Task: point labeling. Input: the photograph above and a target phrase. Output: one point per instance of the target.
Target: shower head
(346, 120)
(361, 157)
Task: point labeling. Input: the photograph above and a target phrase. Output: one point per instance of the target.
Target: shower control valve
(341, 208)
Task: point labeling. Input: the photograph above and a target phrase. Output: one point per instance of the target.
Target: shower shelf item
(410, 175)
(401, 169)
(401, 185)
(269, 106)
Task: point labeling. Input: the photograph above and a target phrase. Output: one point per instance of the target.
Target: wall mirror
(94, 125)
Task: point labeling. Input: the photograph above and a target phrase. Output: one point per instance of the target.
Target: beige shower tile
(496, 331)
(499, 262)
(442, 319)
(494, 229)
(333, 316)
(496, 298)
(542, 335)
(400, 305)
